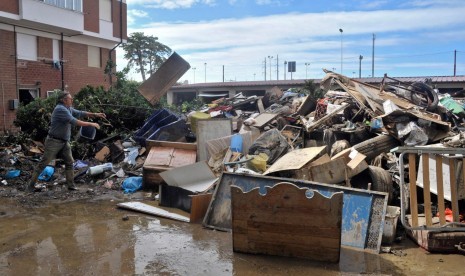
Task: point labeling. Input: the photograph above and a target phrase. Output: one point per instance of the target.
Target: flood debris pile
(106, 165)
(348, 136)
(380, 146)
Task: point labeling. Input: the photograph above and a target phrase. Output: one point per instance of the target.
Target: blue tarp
(157, 120)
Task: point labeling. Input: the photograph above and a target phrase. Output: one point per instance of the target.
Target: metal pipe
(16, 61)
(4, 109)
(62, 65)
(120, 41)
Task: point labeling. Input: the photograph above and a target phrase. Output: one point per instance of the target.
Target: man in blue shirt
(64, 116)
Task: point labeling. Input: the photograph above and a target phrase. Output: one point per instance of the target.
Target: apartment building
(55, 44)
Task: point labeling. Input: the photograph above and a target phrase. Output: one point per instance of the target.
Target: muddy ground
(57, 232)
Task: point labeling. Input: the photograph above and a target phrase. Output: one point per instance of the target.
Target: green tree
(145, 51)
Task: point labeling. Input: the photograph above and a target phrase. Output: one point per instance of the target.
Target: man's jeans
(53, 149)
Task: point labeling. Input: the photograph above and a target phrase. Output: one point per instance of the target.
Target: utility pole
(223, 73)
(277, 67)
(455, 62)
(360, 67)
(265, 68)
(270, 58)
(340, 30)
(193, 69)
(205, 64)
(373, 58)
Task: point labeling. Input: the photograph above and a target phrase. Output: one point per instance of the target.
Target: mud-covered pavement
(91, 236)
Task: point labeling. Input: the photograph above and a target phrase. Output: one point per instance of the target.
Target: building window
(26, 46)
(27, 95)
(93, 56)
(74, 5)
(105, 10)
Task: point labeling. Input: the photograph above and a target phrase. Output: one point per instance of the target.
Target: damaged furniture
(186, 189)
(287, 222)
(165, 156)
(442, 183)
(363, 211)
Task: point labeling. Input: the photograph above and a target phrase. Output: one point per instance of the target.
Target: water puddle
(96, 238)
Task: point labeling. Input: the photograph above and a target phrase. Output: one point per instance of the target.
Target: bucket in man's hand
(88, 132)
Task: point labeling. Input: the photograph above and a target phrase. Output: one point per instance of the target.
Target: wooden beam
(440, 186)
(413, 188)
(453, 191)
(427, 190)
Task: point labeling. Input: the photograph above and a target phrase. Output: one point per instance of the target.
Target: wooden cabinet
(165, 156)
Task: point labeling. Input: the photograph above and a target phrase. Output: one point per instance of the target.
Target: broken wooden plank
(158, 84)
(152, 210)
(295, 159)
(263, 119)
(199, 207)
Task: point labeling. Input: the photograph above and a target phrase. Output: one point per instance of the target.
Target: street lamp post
(285, 63)
(205, 72)
(270, 58)
(340, 30)
(306, 68)
(193, 69)
(373, 57)
(360, 66)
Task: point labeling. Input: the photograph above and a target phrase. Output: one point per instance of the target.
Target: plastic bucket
(236, 143)
(88, 132)
(390, 224)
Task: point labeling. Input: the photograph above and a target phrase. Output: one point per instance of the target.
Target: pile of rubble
(351, 139)
(106, 165)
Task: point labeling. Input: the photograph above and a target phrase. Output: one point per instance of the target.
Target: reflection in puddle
(91, 238)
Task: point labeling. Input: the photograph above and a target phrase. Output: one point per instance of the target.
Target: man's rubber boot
(69, 174)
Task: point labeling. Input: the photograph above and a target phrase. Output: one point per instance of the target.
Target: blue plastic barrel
(236, 143)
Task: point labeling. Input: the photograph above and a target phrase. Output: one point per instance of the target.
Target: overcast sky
(412, 38)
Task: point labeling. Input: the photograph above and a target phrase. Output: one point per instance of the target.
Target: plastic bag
(132, 184)
(258, 163)
(272, 143)
(12, 174)
(47, 173)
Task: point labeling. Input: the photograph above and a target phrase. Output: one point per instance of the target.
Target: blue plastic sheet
(132, 184)
(12, 174)
(47, 173)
